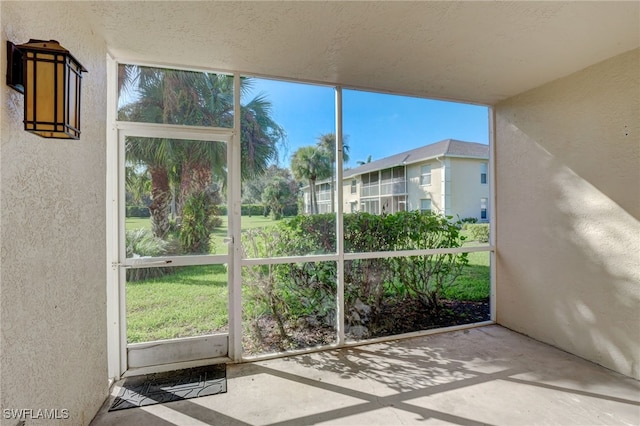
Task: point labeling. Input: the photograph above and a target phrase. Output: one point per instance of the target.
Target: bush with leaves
(137, 211)
(285, 292)
(479, 232)
(198, 221)
(424, 277)
(142, 243)
(366, 279)
(307, 289)
(262, 297)
(276, 195)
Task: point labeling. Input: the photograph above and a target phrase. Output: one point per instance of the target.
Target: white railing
(323, 196)
(385, 187)
(370, 190)
(393, 187)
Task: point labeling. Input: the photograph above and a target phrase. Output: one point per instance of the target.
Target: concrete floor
(487, 375)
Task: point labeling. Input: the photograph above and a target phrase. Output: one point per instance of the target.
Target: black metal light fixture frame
(50, 79)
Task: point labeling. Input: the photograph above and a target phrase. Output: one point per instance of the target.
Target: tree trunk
(160, 206)
(195, 179)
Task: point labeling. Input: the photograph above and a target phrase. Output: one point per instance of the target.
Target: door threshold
(161, 368)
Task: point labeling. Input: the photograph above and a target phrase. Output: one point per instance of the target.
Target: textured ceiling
(479, 52)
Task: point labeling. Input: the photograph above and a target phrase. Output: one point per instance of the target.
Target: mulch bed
(394, 318)
(408, 316)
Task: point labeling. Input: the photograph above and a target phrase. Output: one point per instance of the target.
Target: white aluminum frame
(150, 359)
(492, 210)
(116, 329)
(113, 289)
(340, 329)
(234, 209)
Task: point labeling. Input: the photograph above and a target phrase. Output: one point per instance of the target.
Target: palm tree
(327, 143)
(155, 104)
(362, 163)
(190, 98)
(310, 163)
(137, 184)
(260, 135)
(157, 155)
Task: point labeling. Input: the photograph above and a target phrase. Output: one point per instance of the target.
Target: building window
(425, 174)
(425, 206)
(483, 173)
(483, 208)
(354, 185)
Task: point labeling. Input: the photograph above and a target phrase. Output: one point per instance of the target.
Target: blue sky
(374, 124)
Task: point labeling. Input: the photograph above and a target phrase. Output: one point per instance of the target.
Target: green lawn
(190, 302)
(474, 283)
(470, 242)
(247, 222)
(137, 222)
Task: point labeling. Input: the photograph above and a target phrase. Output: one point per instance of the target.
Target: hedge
(259, 210)
(137, 211)
(479, 231)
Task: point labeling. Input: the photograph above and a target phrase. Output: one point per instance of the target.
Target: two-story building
(449, 177)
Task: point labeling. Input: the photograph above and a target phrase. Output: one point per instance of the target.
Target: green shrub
(197, 222)
(137, 211)
(291, 291)
(479, 232)
(290, 210)
(262, 288)
(253, 210)
(425, 277)
(142, 243)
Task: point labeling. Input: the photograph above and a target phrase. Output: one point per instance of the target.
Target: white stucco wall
(348, 197)
(52, 245)
(568, 213)
(465, 187)
(417, 192)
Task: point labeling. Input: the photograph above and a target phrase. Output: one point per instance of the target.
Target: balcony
(323, 196)
(393, 187)
(384, 187)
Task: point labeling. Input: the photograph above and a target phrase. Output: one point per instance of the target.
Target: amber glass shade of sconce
(50, 79)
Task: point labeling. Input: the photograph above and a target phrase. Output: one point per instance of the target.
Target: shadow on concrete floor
(486, 375)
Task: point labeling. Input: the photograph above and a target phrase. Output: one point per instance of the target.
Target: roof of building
(445, 148)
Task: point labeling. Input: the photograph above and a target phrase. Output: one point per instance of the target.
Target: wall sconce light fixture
(50, 79)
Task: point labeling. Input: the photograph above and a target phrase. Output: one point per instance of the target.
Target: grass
(193, 300)
(474, 283)
(247, 222)
(469, 241)
(190, 302)
(137, 222)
